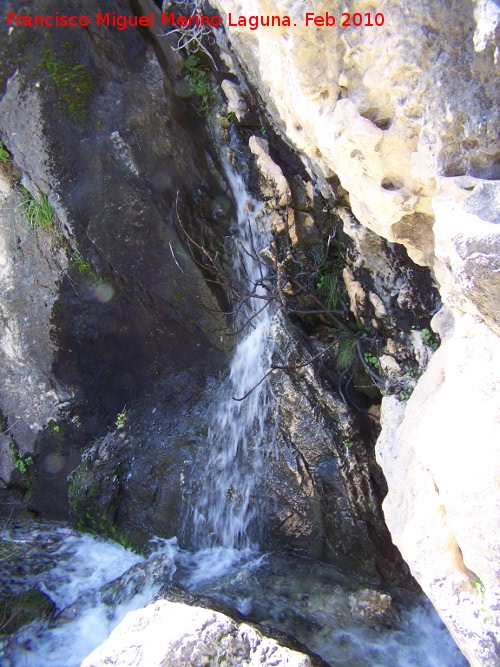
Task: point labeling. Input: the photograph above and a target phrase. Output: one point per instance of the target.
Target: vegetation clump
(4, 154)
(22, 463)
(199, 82)
(40, 213)
(74, 84)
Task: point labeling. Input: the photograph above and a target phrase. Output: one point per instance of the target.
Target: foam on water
(86, 610)
(311, 602)
(92, 584)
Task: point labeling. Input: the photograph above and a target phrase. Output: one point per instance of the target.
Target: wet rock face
(326, 482)
(116, 299)
(133, 480)
(182, 635)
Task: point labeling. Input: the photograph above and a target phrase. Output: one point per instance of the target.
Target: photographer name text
(121, 22)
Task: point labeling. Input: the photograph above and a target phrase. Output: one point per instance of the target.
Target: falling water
(228, 511)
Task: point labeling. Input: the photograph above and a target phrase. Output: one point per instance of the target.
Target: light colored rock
(389, 365)
(355, 291)
(270, 170)
(378, 304)
(467, 231)
(235, 102)
(29, 397)
(443, 323)
(169, 633)
(444, 511)
(389, 109)
(400, 113)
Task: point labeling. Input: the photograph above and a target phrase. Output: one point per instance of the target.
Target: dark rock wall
(91, 120)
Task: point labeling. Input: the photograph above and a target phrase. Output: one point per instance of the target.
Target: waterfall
(230, 506)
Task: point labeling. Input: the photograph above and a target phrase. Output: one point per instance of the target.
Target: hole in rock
(378, 118)
(486, 166)
(452, 170)
(391, 184)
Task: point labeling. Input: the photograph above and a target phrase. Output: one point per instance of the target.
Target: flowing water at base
(93, 583)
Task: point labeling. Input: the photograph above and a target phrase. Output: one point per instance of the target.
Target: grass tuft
(40, 215)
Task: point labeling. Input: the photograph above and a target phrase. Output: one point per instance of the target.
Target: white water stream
(95, 582)
(228, 511)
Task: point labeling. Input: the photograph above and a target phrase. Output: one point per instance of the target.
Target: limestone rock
(235, 102)
(393, 107)
(183, 636)
(468, 246)
(443, 512)
(270, 170)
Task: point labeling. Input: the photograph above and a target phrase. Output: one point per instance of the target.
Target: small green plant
(404, 394)
(478, 586)
(330, 283)
(117, 536)
(344, 354)
(4, 154)
(429, 339)
(122, 418)
(371, 359)
(40, 214)
(83, 267)
(199, 82)
(58, 428)
(228, 119)
(348, 443)
(22, 464)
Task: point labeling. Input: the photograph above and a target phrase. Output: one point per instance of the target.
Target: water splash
(230, 508)
(92, 583)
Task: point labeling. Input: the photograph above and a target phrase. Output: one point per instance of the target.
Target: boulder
(183, 636)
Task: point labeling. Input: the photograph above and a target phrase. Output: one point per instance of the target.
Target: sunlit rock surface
(182, 636)
(406, 115)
